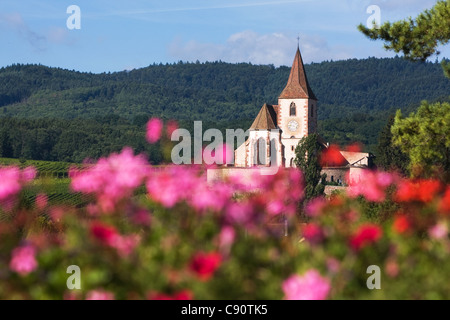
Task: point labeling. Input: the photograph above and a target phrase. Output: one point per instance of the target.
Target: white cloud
(249, 46)
(15, 22)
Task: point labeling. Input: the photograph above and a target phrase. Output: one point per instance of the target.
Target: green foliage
(417, 38)
(115, 106)
(307, 155)
(425, 136)
(390, 157)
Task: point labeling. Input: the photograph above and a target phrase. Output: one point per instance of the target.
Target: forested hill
(38, 104)
(214, 91)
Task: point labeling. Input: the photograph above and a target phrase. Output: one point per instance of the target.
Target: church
(277, 130)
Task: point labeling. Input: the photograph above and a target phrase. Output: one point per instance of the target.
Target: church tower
(297, 111)
(277, 129)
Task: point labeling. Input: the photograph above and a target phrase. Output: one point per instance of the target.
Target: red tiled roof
(297, 86)
(266, 119)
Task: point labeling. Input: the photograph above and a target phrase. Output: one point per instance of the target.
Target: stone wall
(336, 174)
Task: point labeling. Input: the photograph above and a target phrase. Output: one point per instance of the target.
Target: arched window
(261, 151)
(292, 110)
(292, 163)
(273, 152)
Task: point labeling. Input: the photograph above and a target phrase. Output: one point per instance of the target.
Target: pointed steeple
(298, 86)
(266, 119)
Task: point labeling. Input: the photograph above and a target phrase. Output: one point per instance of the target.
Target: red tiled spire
(297, 86)
(266, 119)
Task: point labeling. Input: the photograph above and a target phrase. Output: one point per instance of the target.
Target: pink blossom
(23, 260)
(125, 244)
(310, 286)
(239, 213)
(109, 236)
(28, 174)
(154, 130)
(111, 179)
(313, 233)
(315, 206)
(141, 217)
(372, 185)
(172, 184)
(226, 236)
(9, 182)
(172, 125)
(439, 231)
(333, 265)
(41, 201)
(12, 180)
(99, 295)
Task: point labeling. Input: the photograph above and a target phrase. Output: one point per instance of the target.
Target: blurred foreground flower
(23, 260)
(366, 235)
(99, 295)
(112, 179)
(205, 264)
(154, 130)
(12, 179)
(310, 286)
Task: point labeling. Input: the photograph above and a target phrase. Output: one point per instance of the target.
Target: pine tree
(307, 159)
(417, 38)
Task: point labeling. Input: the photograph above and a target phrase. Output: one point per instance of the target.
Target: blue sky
(122, 35)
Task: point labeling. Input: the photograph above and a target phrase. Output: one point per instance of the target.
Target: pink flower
(99, 295)
(372, 185)
(112, 179)
(125, 244)
(240, 213)
(226, 236)
(28, 174)
(439, 231)
(315, 207)
(105, 234)
(172, 125)
(141, 217)
(108, 236)
(310, 286)
(154, 130)
(11, 181)
(23, 260)
(182, 295)
(41, 201)
(313, 233)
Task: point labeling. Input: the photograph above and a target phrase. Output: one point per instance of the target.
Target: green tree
(389, 156)
(307, 155)
(417, 38)
(425, 136)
